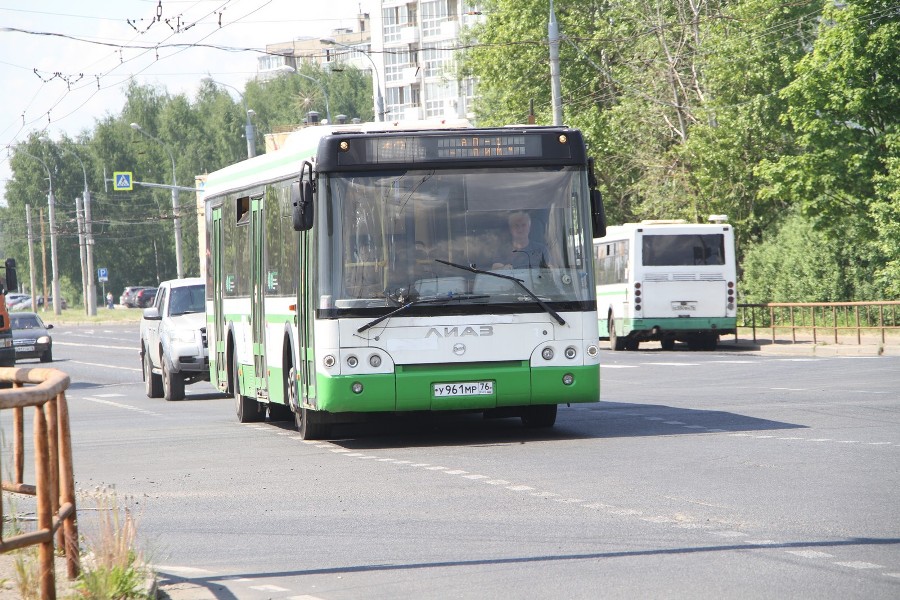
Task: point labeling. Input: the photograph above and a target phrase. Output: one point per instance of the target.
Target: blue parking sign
(102, 274)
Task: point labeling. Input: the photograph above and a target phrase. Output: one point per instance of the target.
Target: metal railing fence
(833, 321)
(54, 487)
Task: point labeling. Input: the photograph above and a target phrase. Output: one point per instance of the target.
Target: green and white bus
(666, 281)
(355, 270)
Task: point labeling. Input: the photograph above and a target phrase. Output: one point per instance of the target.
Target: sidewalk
(804, 345)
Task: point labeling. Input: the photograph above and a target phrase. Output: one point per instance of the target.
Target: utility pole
(44, 258)
(555, 86)
(79, 219)
(51, 201)
(33, 289)
(87, 256)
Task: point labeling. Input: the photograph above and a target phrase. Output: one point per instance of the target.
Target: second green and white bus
(355, 271)
(666, 281)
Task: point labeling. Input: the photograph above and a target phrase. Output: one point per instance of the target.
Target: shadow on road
(585, 421)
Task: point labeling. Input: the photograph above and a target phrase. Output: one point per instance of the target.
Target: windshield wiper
(402, 308)
(518, 281)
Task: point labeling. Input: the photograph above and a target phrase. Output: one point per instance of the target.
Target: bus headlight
(375, 360)
(329, 361)
(592, 350)
(356, 388)
(568, 379)
(570, 352)
(547, 353)
(352, 361)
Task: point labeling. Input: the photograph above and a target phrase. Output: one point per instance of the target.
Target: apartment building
(344, 46)
(414, 44)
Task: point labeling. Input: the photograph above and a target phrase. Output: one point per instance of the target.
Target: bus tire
(667, 343)
(152, 382)
(247, 408)
(172, 383)
(539, 416)
(615, 342)
(310, 424)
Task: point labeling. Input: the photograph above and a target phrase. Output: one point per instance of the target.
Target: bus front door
(221, 366)
(257, 300)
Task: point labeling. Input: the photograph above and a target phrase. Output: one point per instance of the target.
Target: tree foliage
(134, 231)
(752, 108)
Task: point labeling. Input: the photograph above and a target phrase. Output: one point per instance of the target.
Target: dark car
(129, 296)
(62, 302)
(145, 297)
(31, 337)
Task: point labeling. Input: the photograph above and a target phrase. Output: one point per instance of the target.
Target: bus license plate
(684, 306)
(466, 388)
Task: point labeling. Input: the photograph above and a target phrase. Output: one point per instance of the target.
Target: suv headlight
(183, 336)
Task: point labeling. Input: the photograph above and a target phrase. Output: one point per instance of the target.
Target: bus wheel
(667, 343)
(615, 343)
(538, 416)
(247, 408)
(310, 424)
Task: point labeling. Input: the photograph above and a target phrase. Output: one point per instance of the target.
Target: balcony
(409, 35)
(409, 76)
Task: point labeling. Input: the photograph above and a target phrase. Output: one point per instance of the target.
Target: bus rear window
(683, 250)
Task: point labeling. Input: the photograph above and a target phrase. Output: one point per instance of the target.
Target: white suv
(173, 339)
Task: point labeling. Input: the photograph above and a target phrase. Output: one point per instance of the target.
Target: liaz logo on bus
(482, 331)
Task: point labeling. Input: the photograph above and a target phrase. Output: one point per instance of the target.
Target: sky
(65, 64)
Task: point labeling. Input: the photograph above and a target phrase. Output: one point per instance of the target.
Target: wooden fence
(54, 487)
(824, 321)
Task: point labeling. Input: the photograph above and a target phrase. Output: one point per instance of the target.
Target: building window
(436, 96)
(394, 63)
(395, 18)
(434, 12)
(435, 59)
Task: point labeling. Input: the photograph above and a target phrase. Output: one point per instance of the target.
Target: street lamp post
(290, 69)
(175, 210)
(51, 201)
(249, 130)
(379, 100)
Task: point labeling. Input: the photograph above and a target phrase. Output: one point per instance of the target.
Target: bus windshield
(391, 235)
(683, 250)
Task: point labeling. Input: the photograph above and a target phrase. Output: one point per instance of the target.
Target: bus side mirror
(12, 282)
(598, 215)
(302, 200)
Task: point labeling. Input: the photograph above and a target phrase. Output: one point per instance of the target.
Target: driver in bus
(523, 252)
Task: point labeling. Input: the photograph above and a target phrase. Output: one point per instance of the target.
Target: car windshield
(392, 236)
(25, 322)
(187, 299)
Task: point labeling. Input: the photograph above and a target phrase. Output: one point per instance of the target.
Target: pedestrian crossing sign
(122, 181)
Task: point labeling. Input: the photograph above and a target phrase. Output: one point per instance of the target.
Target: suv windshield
(187, 299)
(399, 235)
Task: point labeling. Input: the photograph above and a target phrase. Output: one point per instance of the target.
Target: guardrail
(54, 489)
(821, 320)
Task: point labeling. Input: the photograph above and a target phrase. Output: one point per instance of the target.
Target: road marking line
(810, 553)
(672, 364)
(819, 440)
(789, 389)
(673, 422)
(268, 588)
(456, 472)
(120, 405)
(497, 482)
(728, 534)
(475, 476)
(544, 494)
(435, 468)
(694, 427)
(177, 569)
(897, 575)
(618, 366)
(520, 488)
(355, 454)
(303, 597)
(657, 519)
(109, 395)
(79, 362)
(89, 345)
(858, 564)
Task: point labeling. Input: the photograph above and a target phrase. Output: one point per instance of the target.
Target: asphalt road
(729, 474)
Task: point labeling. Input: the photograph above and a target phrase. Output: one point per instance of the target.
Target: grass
(76, 314)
